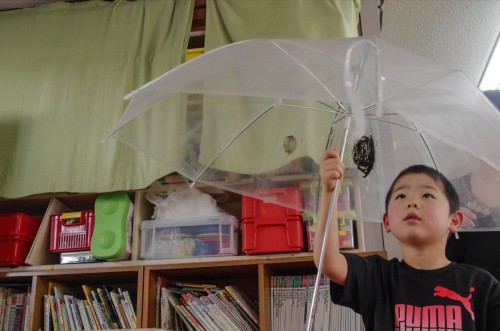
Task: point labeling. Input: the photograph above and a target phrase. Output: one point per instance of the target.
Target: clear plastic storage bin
(189, 237)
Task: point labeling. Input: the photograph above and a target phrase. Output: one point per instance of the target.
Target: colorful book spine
(87, 290)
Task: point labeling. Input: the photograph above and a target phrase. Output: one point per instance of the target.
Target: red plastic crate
(71, 232)
(17, 233)
(271, 228)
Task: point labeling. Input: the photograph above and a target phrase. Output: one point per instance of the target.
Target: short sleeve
(359, 288)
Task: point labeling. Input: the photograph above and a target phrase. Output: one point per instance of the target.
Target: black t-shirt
(391, 295)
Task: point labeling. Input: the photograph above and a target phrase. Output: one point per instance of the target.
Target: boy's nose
(412, 204)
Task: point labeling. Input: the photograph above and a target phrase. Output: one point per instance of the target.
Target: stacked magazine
(202, 307)
(14, 308)
(291, 300)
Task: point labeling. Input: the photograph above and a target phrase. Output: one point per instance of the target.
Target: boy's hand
(335, 264)
(331, 169)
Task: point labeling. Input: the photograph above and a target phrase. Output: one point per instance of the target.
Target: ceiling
(457, 34)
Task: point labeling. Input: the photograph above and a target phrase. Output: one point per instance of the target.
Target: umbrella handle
(310, 319)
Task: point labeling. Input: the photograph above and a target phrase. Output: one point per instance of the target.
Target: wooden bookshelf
(252, 273)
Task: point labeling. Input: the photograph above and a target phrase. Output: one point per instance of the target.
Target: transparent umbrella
(257, 115)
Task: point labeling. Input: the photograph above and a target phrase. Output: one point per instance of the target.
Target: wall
(459, 34)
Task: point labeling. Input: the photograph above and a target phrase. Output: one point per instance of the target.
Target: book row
(202, 307)
(88, 308)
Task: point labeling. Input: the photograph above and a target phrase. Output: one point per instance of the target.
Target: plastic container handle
(72, 216)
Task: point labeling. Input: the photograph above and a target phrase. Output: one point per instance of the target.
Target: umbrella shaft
(310, 320)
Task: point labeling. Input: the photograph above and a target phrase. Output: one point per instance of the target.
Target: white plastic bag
(188, 202)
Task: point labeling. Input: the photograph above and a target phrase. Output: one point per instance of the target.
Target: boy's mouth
(412, 216)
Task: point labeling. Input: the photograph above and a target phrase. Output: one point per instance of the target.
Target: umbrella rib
(393, 123)
(409, 88)
(338, 103)
(377, 118)
(306, 69)
(428, 149)
(314, 108)
(233, 139)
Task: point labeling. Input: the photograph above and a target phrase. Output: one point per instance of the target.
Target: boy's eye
(400, 196)
(428, 196)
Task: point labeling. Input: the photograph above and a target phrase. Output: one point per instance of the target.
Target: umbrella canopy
(257, 115)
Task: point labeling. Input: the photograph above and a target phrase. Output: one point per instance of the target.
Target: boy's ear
(457, 220)
(385, 220)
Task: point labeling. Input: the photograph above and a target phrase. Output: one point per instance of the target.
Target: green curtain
(64, 69)
(229, 21)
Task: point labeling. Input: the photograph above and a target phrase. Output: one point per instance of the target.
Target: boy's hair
(449, 190)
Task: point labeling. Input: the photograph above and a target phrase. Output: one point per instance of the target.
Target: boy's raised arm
(334, 264)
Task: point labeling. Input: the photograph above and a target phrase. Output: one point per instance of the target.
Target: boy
(425, 291)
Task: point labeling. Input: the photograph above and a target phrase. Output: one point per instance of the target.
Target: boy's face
(419, 212)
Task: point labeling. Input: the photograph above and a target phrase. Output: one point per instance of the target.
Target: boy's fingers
(330, 153)
(333, 164)
(335, 174)
(332, 168)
